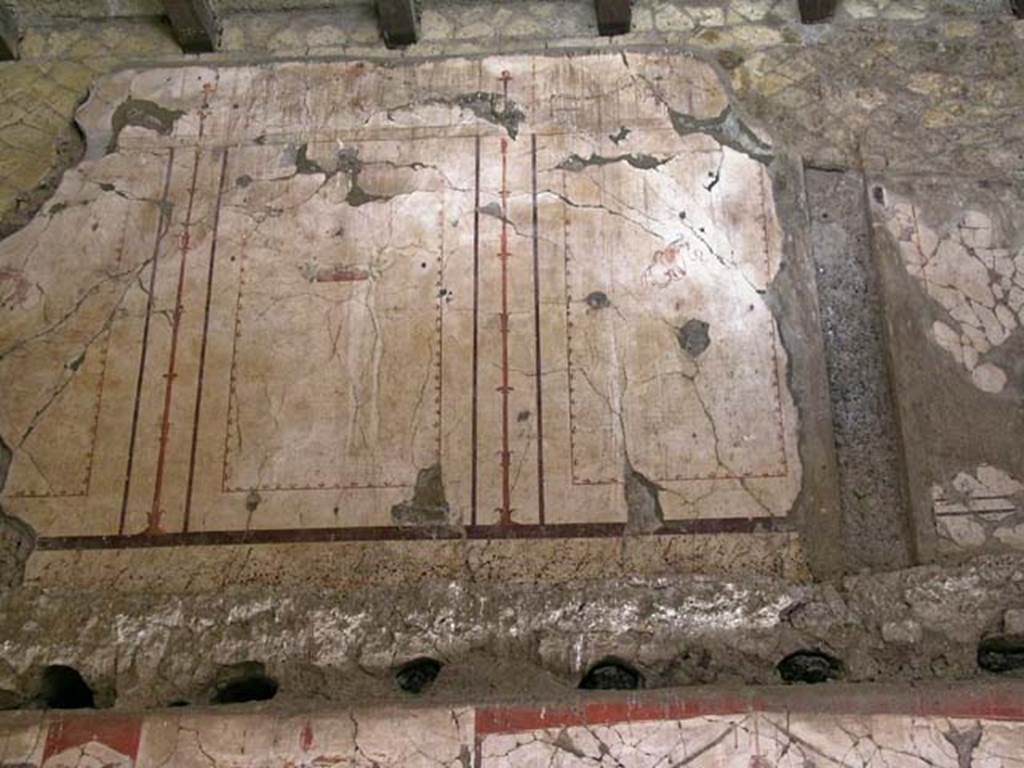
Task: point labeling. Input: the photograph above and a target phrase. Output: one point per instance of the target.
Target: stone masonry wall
(896, 83)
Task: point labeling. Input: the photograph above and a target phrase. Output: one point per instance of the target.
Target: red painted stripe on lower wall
(1000, 702)
(118, 732)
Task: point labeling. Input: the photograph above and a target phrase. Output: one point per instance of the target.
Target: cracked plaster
(899, 86)
(634, 734)
(310, 285)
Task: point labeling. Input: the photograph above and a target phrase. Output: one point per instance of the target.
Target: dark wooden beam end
(614, 17)
(195, 25)
(814, 11)
(398, 25)
(1017, 6)
(8, 36)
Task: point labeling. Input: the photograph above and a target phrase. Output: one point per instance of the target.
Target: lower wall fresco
(979, 726)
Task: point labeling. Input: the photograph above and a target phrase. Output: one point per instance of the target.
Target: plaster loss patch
(971, 265)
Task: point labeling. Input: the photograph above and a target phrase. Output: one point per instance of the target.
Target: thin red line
(155, 512)
(505, 512)
(569, 377)
(581, 481)
(145, 342)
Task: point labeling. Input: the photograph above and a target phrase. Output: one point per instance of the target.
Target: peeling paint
(728, 129)
(141, 113)
(638, 160)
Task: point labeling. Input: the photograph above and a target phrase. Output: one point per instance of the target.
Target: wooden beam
(398, 24)
(813, 11)
(8, 35)
(195, 25)
(614, 17)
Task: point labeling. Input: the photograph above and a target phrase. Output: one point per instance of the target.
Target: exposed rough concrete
(863, 418)
(149, 650)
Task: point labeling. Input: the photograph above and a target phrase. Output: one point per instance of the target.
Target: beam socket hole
(612, 675)
(63, 687)
(243, 683)
(1002, 654)
(810, 667)
(418, 675)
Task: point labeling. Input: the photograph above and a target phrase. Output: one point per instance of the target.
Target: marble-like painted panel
(951, 255)
(645, 732)
(972, 266)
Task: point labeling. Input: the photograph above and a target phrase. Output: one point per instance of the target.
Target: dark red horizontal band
(989, 701)
(407, 533)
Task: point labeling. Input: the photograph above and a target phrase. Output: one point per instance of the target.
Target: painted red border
(120, 733)
(988, 702)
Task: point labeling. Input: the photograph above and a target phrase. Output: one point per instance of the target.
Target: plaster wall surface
(496, 299)
(899, 120)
